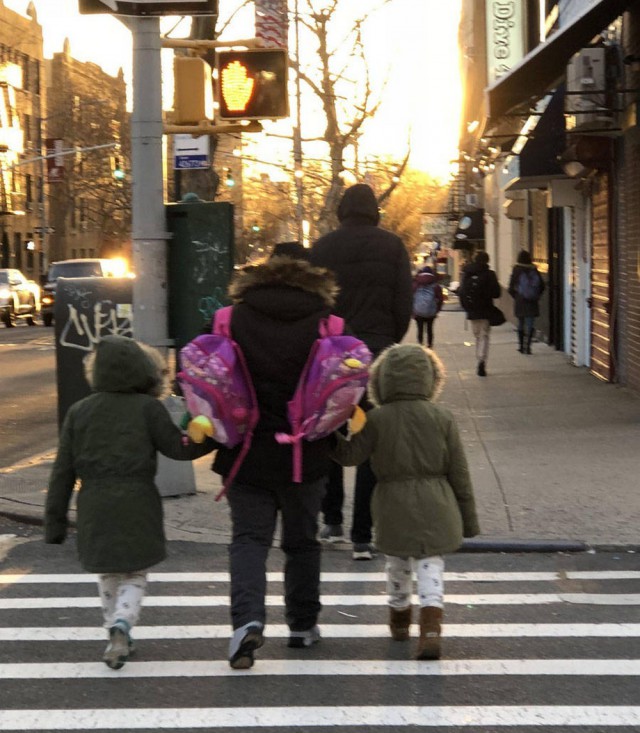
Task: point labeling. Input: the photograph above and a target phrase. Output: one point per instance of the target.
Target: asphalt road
(542, 640)
(28, 397)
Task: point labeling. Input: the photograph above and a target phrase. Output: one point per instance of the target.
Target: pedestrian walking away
(478, 288)
(427, 302)
(109, 443)
(423, 504)
(525, 287)
(373, 271)
(277, 309)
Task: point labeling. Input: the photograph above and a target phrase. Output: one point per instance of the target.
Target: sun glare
(411, 50)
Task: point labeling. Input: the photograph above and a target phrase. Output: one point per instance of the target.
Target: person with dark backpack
(478, 288)
(427, 303)
(525, 287)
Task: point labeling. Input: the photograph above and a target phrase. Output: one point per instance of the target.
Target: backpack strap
(222, 321)
(331, 326)
(222, 327)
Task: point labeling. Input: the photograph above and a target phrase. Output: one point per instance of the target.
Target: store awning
(539, 158)
(543, 67)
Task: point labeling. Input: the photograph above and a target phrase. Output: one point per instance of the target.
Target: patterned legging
(430, 577)
(121, 595)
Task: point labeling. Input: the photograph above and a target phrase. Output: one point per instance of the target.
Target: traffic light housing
(252, 84)
(192, 95)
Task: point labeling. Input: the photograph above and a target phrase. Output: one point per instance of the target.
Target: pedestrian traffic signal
(252, 84)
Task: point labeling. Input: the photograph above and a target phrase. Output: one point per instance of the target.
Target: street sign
(44, 230)
(190, 153)
(149, 7)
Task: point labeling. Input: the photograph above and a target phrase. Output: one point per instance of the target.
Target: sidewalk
(553, 453)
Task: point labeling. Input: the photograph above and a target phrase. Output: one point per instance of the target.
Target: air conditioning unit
(590, 101)
(472, 199)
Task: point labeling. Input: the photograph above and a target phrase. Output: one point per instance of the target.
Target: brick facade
(22, 205)
(90, 209)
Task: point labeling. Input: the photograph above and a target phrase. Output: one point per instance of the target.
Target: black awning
(541, 68)
(539, 156)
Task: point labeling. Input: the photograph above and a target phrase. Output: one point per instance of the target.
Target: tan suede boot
(430, 629)
(399, 622)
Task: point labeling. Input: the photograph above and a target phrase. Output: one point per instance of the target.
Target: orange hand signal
(237, 87)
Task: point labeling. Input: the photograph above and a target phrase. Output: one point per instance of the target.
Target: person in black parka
(477, 291)
(373, 271)
(526, 309)
(277, 308)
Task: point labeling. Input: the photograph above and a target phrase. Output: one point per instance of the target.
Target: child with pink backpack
(274, 452)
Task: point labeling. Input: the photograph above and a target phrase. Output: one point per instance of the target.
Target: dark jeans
(334, 499)
(420, 323)
(254, 513)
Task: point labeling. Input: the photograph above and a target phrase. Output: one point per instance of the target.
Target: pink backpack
(216, 383)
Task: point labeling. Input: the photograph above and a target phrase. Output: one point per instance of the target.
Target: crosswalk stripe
(317, 716)
(330, 631)
(334, 668)
(329, 577)
(495, 599)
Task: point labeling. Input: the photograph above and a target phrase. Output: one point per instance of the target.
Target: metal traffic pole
(149, 233)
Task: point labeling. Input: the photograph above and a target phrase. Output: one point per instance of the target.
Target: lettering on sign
(505, 34)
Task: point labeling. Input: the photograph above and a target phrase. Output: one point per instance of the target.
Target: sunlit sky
(410, 43)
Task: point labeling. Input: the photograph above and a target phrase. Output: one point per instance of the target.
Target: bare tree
(345, 94)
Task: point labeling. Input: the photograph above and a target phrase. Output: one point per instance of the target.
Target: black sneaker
(363, 551)
(332, 533)
(243, 644)
(304, 639)
(482, 372)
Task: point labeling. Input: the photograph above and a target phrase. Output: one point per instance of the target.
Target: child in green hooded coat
(109, 443)
(423, 503)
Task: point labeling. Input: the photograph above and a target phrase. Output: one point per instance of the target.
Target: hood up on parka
(285, 272)
(359, 206)
(405, 372)
(120, 364)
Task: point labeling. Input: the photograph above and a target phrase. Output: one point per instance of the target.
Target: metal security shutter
(601, 362)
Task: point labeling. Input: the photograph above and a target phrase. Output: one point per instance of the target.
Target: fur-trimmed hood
(288, 272)
(405, 372)
(120, 364)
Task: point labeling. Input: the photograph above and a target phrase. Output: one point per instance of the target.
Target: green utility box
(199, 265)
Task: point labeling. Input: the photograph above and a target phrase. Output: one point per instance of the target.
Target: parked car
(97, 267)
(19, 298)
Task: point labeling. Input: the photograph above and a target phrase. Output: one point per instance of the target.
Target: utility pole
(148, 213)
(297, 136)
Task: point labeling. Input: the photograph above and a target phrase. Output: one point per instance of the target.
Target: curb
(491, 544)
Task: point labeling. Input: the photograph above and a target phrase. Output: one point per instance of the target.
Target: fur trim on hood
(405, 372)
(120, 364)
(293, 273)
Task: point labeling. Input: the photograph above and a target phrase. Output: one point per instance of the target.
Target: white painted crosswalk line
(328, 577)
(480, 599)
(317, 716)
(581, 666)
(333, 668)
(331, 631)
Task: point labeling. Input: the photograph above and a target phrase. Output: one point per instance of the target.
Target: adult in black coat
(275, 320)
(376, 299)
(525, 306)
(478, 288)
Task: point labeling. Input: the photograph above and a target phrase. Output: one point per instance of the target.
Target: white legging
(429, 574)
(121, 595)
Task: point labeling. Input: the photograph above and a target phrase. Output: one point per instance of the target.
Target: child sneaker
(332, 533)
(119, 647)
(303, 639)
